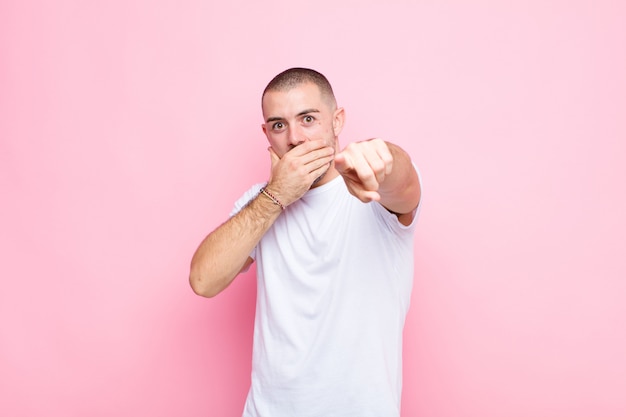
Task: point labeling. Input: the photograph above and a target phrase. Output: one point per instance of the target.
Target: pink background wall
(128, 128)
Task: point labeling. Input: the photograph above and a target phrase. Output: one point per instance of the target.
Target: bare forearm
(400, 191)
(223, 253)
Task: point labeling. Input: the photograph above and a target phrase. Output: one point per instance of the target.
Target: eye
(308, 119)
(278, 126)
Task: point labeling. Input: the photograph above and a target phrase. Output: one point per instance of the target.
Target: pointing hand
(364, 165)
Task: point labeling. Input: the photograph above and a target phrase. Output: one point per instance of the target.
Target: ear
(264, 128)
(339, 117)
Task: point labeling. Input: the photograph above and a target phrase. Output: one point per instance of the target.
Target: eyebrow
(302, 113)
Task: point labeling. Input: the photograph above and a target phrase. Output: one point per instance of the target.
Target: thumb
(273, 160)
(273, 157)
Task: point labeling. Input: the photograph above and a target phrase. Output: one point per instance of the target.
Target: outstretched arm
(225, 251)
(375, 170)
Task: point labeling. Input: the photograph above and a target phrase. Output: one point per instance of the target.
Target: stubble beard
(321, 177)
(318, 179)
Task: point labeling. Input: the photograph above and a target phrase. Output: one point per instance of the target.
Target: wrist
(272, 197)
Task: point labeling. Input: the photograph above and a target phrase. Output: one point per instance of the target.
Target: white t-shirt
(334, 279)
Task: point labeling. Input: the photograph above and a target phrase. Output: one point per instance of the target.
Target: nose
(295, 136)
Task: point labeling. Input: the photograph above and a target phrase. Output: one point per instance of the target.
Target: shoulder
(246, 197)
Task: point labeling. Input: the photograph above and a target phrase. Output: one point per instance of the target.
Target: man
(334, 272)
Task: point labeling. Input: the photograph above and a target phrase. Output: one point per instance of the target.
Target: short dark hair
(293, 77)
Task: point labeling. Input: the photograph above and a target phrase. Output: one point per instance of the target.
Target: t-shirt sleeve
(246, 198)
(243, 201)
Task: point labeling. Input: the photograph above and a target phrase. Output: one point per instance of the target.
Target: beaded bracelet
(272, 197)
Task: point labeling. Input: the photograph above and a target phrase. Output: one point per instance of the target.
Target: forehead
(292, 100)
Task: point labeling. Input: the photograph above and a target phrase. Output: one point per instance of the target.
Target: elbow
(201, 286)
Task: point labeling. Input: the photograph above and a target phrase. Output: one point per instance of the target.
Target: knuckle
(367, 176)
(378, 165)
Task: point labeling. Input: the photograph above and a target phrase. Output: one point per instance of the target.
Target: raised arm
(224, 253)
(375, 170)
